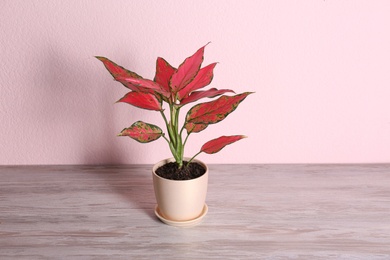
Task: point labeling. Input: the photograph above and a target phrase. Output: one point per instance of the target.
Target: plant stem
(194, 157)
(164, 117)
(175, 142)
(185, 140)
(179, 142)
(165, 139)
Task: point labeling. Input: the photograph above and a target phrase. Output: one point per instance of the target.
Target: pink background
(320, 70)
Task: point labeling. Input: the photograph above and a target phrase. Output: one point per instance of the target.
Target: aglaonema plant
(177, 87)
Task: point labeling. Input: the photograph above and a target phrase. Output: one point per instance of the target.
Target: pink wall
(320, 70)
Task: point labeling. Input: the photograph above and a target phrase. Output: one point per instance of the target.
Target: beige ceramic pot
(180, 201)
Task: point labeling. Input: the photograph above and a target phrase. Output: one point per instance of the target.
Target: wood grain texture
(255, 212)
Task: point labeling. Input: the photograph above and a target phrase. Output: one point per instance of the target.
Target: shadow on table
(93, 124)
(133, 183)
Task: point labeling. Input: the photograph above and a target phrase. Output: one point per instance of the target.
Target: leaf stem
(166, 139)
(185, 140)
(164, 117)
(194, 157)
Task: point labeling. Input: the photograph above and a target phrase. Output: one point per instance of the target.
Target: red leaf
(142, 132)
(142, 100)
(214, 111)
(195, 128)
(187, 71)
(202, 79)
(117, 71)
(217, 144)
(196, 95)
(146, 85)
(164, 72)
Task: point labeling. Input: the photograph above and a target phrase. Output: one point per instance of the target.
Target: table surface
(255, 212)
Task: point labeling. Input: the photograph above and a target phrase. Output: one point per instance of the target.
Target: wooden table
(255, 212)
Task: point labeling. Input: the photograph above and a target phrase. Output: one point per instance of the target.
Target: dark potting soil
(187, 172)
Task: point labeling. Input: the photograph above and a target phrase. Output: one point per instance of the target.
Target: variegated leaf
(202, 79)
(217, 144)
(195, 128)
(118, 71)
(214, 111)
(146, 85)
(196, 95)
(187, 71)
(164, 72)
(142, 132)
(142, 100)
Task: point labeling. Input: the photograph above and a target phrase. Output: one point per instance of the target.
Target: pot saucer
(186, 223)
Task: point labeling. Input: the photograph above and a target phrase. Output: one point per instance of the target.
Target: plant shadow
(133, 183)
(87, 112)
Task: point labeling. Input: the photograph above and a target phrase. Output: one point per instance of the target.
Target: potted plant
(180, 183)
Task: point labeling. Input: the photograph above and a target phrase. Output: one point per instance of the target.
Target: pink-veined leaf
(214, 111)
(118, 71)
(196, 95)
(187, 71)
(164, 72)
(142, 100)
(146, 85)
(142, 132)
(202, 79)
(217, 144)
